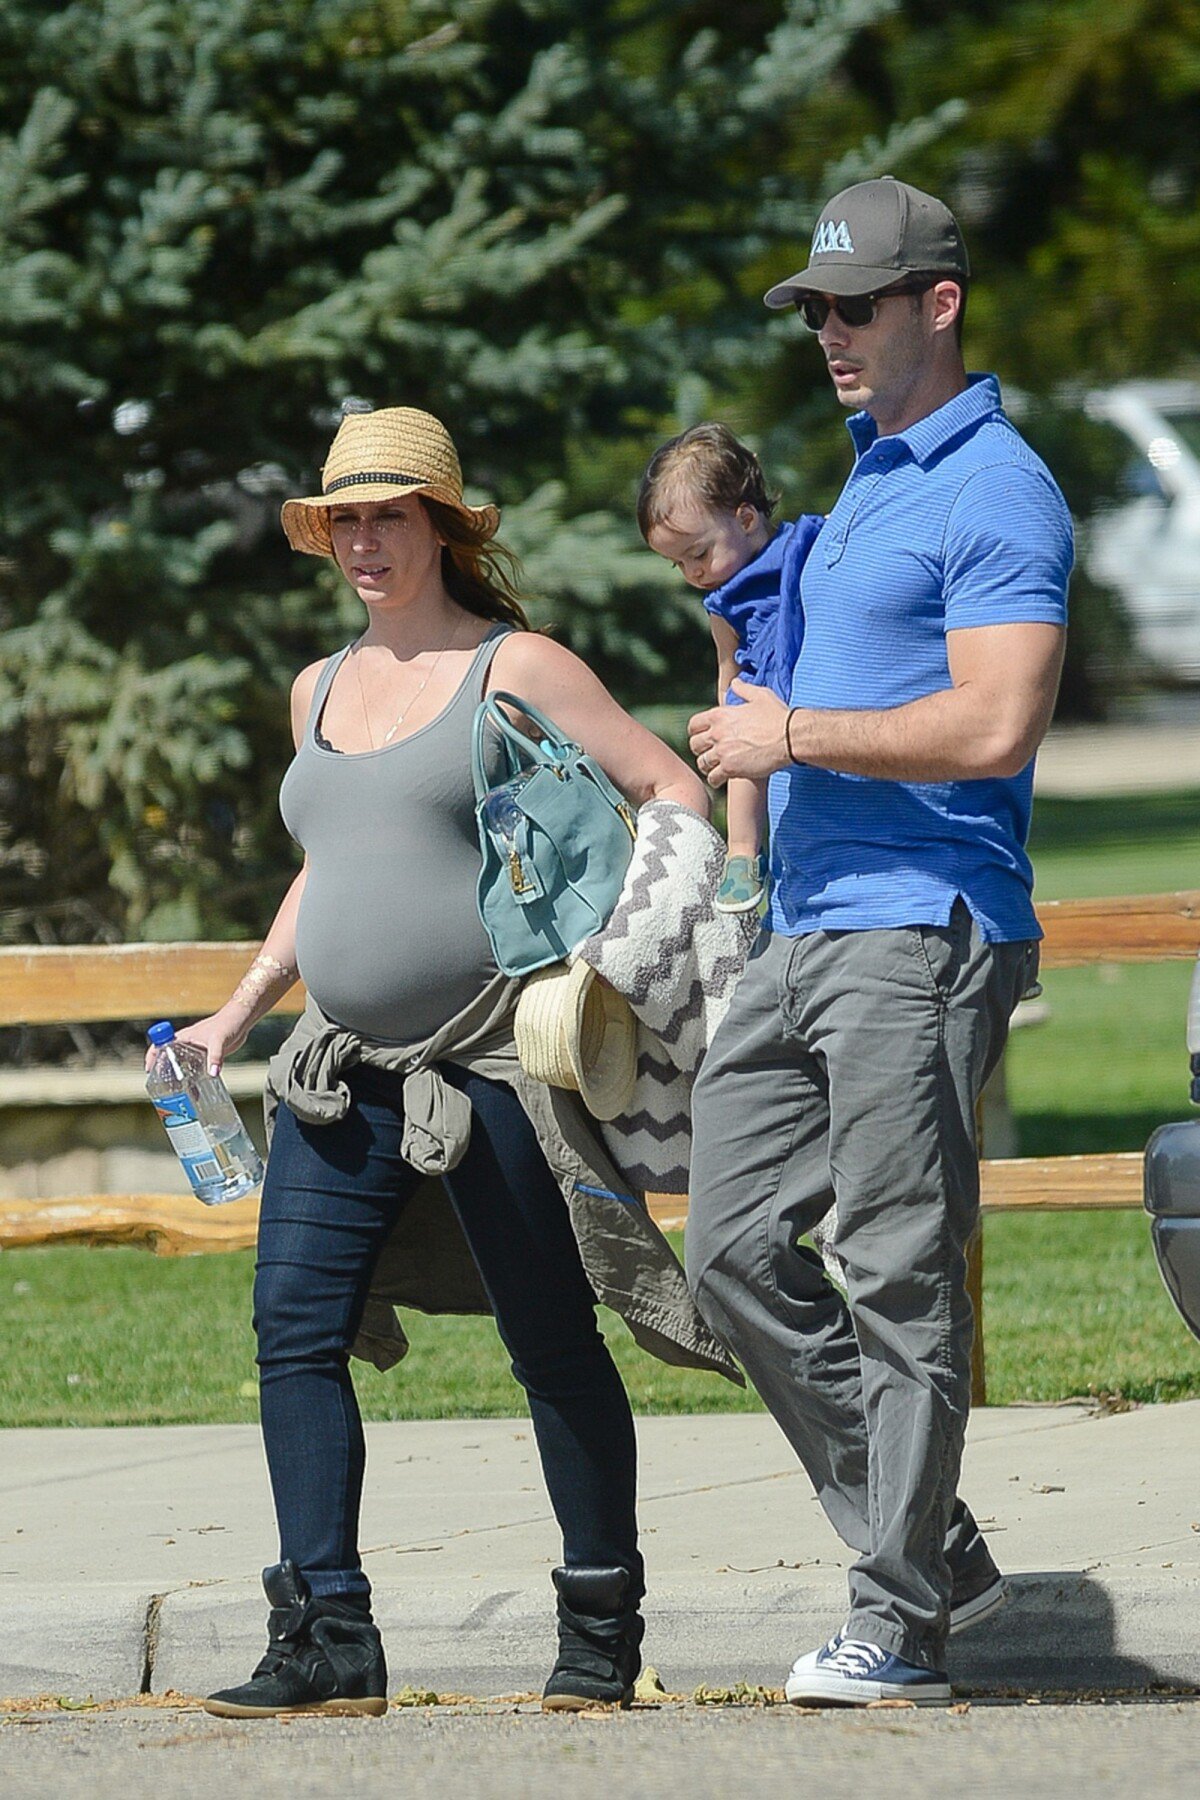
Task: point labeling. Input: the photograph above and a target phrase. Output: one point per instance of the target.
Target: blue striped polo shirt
(953, 523)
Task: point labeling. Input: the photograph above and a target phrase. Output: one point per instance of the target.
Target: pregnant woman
(403, 1064)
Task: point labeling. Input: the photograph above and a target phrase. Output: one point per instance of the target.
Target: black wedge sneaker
(323, 1656)
(599, 1641)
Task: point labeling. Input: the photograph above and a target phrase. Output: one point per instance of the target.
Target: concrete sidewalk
(1083, 761)
(129, 1558)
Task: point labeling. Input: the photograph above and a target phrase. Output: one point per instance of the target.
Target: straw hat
(574, 1031)
(381, 456)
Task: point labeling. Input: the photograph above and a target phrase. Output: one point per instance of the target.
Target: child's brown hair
(708, 462)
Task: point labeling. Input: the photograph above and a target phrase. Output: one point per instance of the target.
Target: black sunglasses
(855, 310)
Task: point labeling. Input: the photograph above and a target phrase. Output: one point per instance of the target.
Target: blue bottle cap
(162, 1033)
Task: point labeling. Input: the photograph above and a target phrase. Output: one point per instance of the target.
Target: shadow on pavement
(1058, 1634)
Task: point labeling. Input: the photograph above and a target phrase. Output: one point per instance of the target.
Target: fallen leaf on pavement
(648, 1685)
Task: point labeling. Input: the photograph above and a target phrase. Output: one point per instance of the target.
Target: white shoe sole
(738, 906)
(815, 1687)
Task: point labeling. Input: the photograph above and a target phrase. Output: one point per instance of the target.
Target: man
(901, 935)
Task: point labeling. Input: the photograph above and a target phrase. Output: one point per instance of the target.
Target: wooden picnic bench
(48, 985)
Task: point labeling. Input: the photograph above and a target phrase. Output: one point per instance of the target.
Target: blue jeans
(331, 1196)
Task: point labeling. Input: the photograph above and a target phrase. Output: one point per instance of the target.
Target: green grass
(98, 1337)
(1109, 1064)
(1143, 844)
(116, 1337)
(1073, 1303)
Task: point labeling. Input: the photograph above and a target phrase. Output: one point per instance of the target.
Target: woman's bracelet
(264, 973)
(787, 733)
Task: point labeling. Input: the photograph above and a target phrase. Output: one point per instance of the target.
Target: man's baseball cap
(873, 235)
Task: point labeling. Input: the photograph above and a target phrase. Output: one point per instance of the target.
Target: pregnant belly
(381, 971)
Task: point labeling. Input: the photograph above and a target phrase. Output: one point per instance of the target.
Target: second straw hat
(383, 455)
(574, 1031)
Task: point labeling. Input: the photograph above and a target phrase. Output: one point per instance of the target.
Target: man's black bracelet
(787, 733)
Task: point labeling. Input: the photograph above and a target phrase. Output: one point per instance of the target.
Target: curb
(1061, 1633)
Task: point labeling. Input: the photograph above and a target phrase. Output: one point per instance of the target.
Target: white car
(1147, 546)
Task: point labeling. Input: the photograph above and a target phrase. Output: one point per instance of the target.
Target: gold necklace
(411, 702)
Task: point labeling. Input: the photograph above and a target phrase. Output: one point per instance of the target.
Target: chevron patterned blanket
(677, 961)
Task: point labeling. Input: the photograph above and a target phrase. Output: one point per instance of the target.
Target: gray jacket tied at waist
(425, 1262)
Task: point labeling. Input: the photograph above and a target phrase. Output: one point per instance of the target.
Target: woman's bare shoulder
(526, 660)
(305, 684)
(303, 689)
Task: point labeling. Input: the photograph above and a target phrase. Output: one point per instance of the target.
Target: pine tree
(1074, 166)
(549, 222)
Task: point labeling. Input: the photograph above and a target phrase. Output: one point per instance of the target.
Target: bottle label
(188, 1138)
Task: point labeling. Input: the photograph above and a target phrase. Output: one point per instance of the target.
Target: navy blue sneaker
(849, 1673)
(970, 1604)
(810, 1659)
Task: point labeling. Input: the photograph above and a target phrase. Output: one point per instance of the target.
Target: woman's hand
(267, 980)
(218, 1036)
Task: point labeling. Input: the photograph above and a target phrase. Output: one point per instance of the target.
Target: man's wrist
(787, 735)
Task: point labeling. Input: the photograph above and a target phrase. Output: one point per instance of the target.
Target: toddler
(704, 505)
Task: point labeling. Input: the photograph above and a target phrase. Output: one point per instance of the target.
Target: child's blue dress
(762, 603)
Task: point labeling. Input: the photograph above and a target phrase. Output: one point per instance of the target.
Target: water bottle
(203, 1125)
(508, 829)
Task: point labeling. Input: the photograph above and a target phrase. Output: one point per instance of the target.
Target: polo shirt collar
(979, 400)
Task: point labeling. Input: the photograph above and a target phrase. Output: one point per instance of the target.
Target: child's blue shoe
(742, 886)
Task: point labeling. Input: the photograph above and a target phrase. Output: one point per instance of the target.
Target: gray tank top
(388, 937)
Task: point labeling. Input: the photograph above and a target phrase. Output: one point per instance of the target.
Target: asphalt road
(1024, 1751)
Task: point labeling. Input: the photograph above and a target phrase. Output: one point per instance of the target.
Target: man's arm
(988, 723)
(1007, 561)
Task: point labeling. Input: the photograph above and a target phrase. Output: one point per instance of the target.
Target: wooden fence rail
(48, 985)
(45, 985)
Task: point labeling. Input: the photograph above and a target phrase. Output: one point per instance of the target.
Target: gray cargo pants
(846, 1074)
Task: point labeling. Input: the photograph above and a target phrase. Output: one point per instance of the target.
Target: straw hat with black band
(383, 455)
(574, 1031)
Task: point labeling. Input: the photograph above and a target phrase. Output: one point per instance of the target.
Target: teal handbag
(556, 837)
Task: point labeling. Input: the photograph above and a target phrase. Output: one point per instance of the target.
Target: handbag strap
(547, 728)
(520, 749)
(535, 752)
